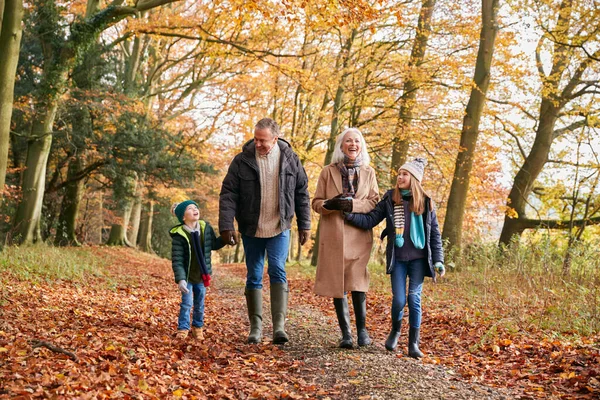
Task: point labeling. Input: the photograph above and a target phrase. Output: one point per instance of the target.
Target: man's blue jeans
(415, 271)
(194, 298)
(276, 249)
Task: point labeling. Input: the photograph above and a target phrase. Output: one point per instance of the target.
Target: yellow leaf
(355, 381)
(3, 350)
(142, 384)
(109, 347)
(496, 349)
(178, 393)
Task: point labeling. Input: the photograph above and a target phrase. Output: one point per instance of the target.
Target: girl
(414, 247)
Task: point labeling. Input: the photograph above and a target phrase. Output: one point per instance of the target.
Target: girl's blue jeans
(276, 249)
(414, 270)
(194, 298)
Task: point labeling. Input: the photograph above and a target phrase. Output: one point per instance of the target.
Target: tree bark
(27, 219)
(136, 214)
(145, 236)
(118, 231)
(453, 222)
(11, 15)
(65, 232)
(402, 137)
(236, 257)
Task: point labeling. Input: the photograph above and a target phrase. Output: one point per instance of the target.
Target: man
(264, 186)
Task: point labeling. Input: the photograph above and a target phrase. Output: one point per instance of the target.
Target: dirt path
(121, 330)
(362, 373)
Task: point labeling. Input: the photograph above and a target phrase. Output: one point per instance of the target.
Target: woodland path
(120, 329)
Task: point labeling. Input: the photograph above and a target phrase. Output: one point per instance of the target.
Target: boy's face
(191, 214)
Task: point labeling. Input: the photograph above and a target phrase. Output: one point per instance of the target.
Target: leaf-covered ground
(118, 338)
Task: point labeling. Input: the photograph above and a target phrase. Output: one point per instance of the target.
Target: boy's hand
(182, 284)
(229, 237)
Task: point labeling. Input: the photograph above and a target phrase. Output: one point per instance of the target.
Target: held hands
(439, 268)
(229, 237)
(182, 284)
(304, 235)
(339, 203)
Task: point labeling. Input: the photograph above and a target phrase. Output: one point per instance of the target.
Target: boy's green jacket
(181, 250)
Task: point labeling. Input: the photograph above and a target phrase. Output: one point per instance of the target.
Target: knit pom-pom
(173, 207)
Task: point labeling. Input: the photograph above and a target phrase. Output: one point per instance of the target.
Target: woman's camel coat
(344, 250)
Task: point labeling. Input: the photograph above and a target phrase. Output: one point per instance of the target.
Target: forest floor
(113, 336)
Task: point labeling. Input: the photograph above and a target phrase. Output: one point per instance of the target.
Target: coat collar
(337, 179)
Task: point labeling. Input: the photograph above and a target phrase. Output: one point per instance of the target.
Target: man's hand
(229, 237)
(304, 235)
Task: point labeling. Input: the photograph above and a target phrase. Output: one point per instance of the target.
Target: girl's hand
(439, 268)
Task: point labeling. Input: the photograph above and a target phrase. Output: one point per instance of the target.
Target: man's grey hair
(338, 154)
(270, 124)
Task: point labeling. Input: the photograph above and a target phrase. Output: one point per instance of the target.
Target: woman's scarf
(349, 170)
(417, 230)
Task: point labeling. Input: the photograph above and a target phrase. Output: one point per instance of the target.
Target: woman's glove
(339, 203)
(182, 284)
(399, 242)
(439, 268)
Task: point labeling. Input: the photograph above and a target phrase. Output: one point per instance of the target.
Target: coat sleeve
(367, 204)
(177, 259)
(320, 195)
(216, 242)
(370, 219)
(435, 239)
(228, 198)
(301, 197)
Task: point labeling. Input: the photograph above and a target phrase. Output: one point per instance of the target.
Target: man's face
(264, 140)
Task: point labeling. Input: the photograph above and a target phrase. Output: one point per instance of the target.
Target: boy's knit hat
(416, 167)
(178, 209)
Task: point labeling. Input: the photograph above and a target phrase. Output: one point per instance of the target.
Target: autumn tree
(11, 15)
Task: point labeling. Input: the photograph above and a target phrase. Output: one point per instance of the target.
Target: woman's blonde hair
(417, 200)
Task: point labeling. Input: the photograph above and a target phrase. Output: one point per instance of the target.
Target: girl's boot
(343, 316)
(359, 299)
(413, 343)
(392, 339)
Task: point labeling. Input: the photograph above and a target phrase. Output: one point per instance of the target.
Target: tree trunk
(402, 137)
(136, 214)
(315, 249)
(118, 231)
(470, 130)
(65, 232)
(236, 257)
(11, 15)
(553, 100)
(27, 219)
(145, 237)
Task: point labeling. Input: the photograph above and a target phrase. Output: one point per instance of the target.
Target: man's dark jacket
(240, 192)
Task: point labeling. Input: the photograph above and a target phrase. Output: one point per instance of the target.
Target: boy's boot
(413, 343)
(359, 299)
(343, 316)
(182, 334)
(279, 303)
(254, 303)
(392, 339)
(197, 333)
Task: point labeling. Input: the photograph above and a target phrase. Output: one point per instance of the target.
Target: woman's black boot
(343, 316)
(359, 299)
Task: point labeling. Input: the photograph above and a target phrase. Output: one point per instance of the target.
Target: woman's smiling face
(351, 145)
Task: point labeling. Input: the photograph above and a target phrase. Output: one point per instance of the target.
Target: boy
(192, 241)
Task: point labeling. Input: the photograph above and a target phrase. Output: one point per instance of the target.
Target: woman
(348, 184)
(414, 247)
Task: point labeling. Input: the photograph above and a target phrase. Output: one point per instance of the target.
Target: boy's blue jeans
(415, 271)
(276, 248)
(194, 298)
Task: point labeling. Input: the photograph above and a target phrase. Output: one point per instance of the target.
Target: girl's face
(351, 145)
(403, 180)
(191, 214)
